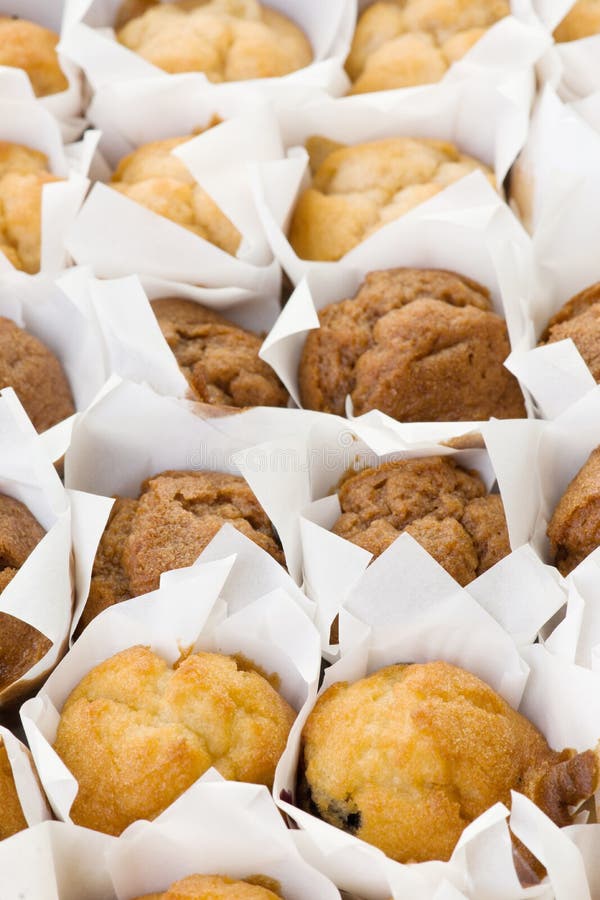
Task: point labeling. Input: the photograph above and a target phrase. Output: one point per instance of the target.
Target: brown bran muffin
(442, 506)
(26, 45)
(407, 757)
(579, 319)
(213, 887)
(136, 733)
(417, 344)
(574, 529)
(582, 20)
(219, 359)
(12, 818)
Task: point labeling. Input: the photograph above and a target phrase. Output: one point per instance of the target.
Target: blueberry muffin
(219, 359)
(26, 45)
(582, 20)
(579, 319)
(418, 344)
(356, 190)
(136, 733)
(442, 506)
(402, 44)
(228, 40)
(574, 529)
(214, 887)
(407, 757)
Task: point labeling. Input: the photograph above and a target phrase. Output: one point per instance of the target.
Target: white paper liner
(450, 111)
(29, 791)
(571, 67)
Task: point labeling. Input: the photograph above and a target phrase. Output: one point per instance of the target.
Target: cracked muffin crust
(213, 887)
(156, 179)
(574, 529)
(36, 376)
(26, 45)
(136, 733)
(582, 20)
(401, 44)
(407, 757)
(417, 344)
(23, 174)
(442, 506)
(228, 40)
(12, 818)
(579, 319)
(219, 359)
(356, 190)
(176, 516)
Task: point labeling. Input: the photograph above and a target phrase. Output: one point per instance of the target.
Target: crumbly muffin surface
(26, 45)
(213, 887)
(579, 319)
(12, 818)
(582, 20)
(574, 529)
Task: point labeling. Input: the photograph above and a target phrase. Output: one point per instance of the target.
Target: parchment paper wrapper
(450, 111)
(571, 67)
(89, 41)
(185, 612)
(31, 797)
(41, 591)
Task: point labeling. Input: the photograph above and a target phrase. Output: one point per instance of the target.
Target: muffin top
(175, 517)
(26, 45)
(12, 818)
(213, 887)
(442, 506)
(400, 44)
(574, 529)
(152, 176)
(582, 20)
(357, 190)
(23, 174)
(219, 359)
(579, 319)
(417, 344)
(228, 40)
(136, 733)
(406, 758)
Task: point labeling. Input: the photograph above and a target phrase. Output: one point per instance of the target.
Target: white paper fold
(29, 791)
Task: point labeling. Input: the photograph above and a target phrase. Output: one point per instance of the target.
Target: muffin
(12, 818)
(36, 376)
(23, 174)
(136, 733)
(213, 887)
(26, 45)
(442, 506)
(574, 529)
(219, 359)
(407, 757)
(579, 319)
(582, 20)
(175, 517)
(418, 344)
(401, 44)
(152, 176)
(357, 190)
(228, 40)
(21, 645)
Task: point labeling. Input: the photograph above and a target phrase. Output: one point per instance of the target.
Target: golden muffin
(574, 529)
(582, 20)
(213, 887)
(136, 733)
(579, 319)
(152, 176)
(228, 40)
(442, 506)
(219, 359)
(406, 758)
(357, 190)
(23, 174)
(12, 818)
(418, 344)
(401, 44)
(176, 516)
(26, 45)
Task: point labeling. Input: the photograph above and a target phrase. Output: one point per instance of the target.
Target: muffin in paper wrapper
(571, 67)
(29, 791)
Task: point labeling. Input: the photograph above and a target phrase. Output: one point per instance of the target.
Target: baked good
(175, 517)
(357, 190)
(582, 20)
(12, 818)
(213, 887)
(401, 44)
(26, 45)
(228, 40)
(219, 359)
(23, 174)
(152, 176)
(418, 344)
(442, 506)
(36, 376)
(579, 319)
(406, 758)
(574, 529)
(136, 733)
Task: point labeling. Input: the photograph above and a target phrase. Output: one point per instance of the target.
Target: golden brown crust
(219, 359)
(26, 45)
(152, 176)
(417, 344)
(444, 507)
(574, 529)
(213, 887)
(357, 190)
(136, 733)
(36, 375)
(408, 757)
(228, 40)
(582, 20)
(12, 818)
(579, 319)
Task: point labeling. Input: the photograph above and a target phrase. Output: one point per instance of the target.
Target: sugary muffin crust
(579, 319)
(417, 344)
(26, 45)
(213, 887)
(574, 529)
